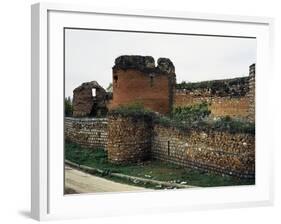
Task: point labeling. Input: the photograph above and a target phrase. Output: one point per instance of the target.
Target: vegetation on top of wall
(227, 124)
(234, 87)
(234, 125)
(187, 118)
(134, 110)
(193, 113)
(68, 107)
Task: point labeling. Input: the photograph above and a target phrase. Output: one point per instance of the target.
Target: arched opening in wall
(93, 112)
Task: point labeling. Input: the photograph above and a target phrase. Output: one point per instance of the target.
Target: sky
(90, 55)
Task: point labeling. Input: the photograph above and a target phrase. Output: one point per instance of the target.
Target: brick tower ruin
(136, 79)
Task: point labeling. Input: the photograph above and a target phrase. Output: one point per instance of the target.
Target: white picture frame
(47, 199)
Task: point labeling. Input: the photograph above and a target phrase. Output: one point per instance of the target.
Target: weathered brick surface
(234, 100)
(220, 106)
(129, 139)
(134, 86)
(137, 80)
(222, 152)
(88, 132)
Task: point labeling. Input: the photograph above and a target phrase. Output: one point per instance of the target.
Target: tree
(68, 107)
(109, 88)
(189, 114)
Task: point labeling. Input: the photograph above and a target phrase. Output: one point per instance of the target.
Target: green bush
(68, 107)
(227, 124)
(109, 88)
(135, 110)
(234, 125)
(192, 113)
(169, 122)
(186, 118)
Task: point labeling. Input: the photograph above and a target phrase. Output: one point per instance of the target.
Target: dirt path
(81, 182)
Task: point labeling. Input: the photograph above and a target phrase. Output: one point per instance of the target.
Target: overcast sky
(90, 55)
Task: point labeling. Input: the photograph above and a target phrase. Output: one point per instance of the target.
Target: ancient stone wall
(129, 139)
(230, 97)
(220, 106)
(87, 132)
(137, 80)
(221, 152)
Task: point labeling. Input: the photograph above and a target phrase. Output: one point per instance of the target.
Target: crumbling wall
(229, 97)
(85, 104)
(137, 80)
(220, 152)
(130, 139)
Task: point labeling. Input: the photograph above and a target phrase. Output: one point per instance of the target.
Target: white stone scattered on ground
(86, 183)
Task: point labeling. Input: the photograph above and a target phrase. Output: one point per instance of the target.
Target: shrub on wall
(186, 118)
(134, 110)
(234, 125)
(191, 113)
(228, 124)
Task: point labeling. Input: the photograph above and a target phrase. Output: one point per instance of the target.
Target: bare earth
(81, 182)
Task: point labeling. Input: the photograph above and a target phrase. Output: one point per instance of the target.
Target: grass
(154, 169)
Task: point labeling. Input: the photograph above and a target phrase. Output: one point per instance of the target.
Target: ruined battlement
(145, 64)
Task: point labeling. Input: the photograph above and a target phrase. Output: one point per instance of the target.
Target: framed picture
(148, 111)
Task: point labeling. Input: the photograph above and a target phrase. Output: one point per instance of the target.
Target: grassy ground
(156, 170)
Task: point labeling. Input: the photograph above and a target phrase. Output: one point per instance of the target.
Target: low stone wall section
(221, 152)
(88, 132)
(129, 140)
